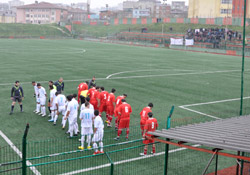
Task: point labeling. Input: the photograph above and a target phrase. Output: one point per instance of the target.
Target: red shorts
(142, 123)
(147, 141)
(102, 108)
(110, 110)
(124, 123)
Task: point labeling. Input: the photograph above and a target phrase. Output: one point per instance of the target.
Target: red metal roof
(41, 5)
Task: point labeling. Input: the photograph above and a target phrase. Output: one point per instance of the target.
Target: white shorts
(87, 131)
(98, 136)
(37, 99)
(53, 106)
(61, 109)
(42, 101)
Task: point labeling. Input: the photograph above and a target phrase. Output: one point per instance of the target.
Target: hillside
(29, 30)
(102, 31)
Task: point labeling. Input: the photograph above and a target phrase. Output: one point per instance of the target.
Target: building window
(53, 13)
(27, 10)
(27, 15)
(226, 1)
(52, 18)
(225, 11)
(39, 16)
(43, 16)
(35, 16)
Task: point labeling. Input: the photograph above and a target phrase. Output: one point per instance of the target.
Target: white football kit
(42, 96)
(61, 102)
(52, 99)
(86, 117)
(73, 110)
(98, 123)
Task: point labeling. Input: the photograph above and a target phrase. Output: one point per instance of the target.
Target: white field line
(207, 103)
(19, 153)
(132, 77)
(199, 112)
(154, 70)
(123, 161)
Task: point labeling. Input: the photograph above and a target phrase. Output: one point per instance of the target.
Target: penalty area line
(19, 153)
(185, 107)
(124, 161)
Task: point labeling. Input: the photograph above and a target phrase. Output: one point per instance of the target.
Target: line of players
(94, 102)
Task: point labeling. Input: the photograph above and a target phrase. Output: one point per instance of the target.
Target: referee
(16, 95)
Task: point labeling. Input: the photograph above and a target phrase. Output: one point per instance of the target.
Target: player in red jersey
(124, 112)
(144, 115)
(102, 101)
(82, 87)
(97, 96)
(110, 107)
(92, 95)
(118, 102)
(150, 126)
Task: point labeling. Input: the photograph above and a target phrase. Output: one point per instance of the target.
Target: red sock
(116, 123)
(153, 149)
(119, 133)
(127, 132)
(110, 118)
(145, 151)
(107, 116)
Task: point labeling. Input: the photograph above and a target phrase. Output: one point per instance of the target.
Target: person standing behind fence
(59, 85)
(16, 95)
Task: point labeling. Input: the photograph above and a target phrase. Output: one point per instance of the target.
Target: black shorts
(19, 99)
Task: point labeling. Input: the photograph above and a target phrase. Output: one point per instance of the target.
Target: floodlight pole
(243, 58)
(167, 145)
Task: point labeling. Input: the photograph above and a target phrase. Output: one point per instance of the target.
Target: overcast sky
(94, 3)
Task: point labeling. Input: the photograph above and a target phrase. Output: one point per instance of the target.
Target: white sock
(52, 115)
(43, 110)
(63, 122)
(89, 139)
(82, 141)
(38, 107)
(101, 146)
(55, 119)
(95, 147)
(76, 127)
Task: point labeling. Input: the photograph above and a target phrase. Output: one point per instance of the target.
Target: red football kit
(118, 102)
(144, 116)
(92, 95)
(103, 98)
(110, 104)
(150, 126)
(124, 119)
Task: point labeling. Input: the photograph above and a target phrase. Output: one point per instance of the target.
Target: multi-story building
(76, 14)
(4, 6)
(139, 13)
(210, 8)
(162, 11)
(7, 16)
(13, 4)
(41, 13)
(128, 6)
(83, 6)
(179, 9)
(238, 8)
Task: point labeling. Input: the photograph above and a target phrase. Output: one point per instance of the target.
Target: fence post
(167, 145)
(112, 164)
(24, 165)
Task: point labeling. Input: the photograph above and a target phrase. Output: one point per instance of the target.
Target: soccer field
(202, 87)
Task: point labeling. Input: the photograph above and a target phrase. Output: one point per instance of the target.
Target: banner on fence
(189, 42)
(176, 41)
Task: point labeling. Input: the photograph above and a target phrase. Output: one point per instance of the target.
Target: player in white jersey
(36, 96)
(60, 102)
(98, 133)
(90, 105)
(42, 98)
(76, 102)
(86, 118)
(71, 115)
(65, 121)
(52, 103)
